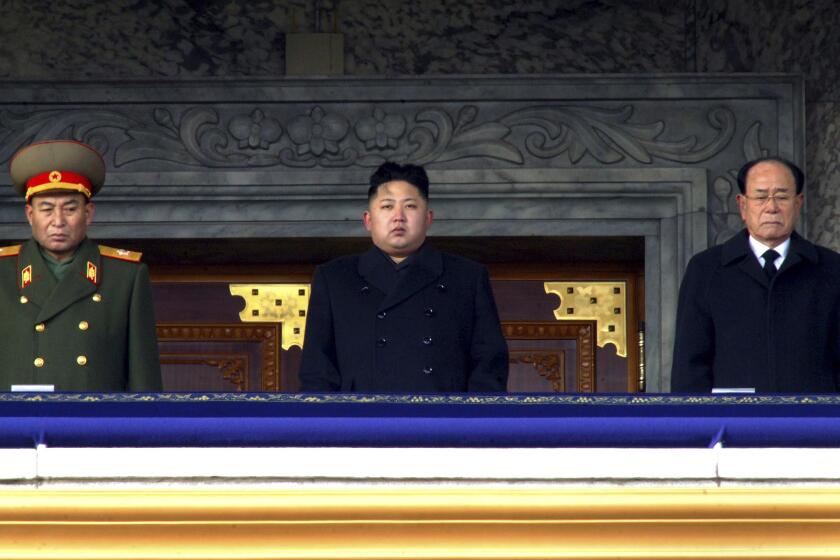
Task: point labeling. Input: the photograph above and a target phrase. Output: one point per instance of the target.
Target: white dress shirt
(759, 248)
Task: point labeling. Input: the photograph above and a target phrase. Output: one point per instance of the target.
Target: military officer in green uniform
(76, 316)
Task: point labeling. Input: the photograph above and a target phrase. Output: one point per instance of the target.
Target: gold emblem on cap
(81, 360)
(40, 327)
(24, 299)
(83, 326)
(96, 297)
(38, 362)
(55, 177)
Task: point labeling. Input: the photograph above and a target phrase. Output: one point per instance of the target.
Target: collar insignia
(26, 276)
(91, 272)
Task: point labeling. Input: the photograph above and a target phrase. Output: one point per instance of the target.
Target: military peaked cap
(57, 166)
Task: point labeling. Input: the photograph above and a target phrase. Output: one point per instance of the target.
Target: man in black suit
(402, 317)
(761, 311)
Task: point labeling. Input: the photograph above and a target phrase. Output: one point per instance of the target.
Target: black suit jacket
(437, 331)
(737, 329)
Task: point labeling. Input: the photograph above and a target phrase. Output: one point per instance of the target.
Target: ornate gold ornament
(280, 303)
(602, 302)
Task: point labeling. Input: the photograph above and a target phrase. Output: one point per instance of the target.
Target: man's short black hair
(798, 176)
(392, 171)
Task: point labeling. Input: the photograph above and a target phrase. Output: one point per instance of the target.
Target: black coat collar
(426, 267)
(737, 252)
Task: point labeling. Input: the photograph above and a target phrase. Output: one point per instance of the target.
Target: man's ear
(742, 205)
(366, 219)
(430, 217)
(90, 210)
(28, 211)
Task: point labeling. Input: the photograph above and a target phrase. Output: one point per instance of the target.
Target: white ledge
(583, 466)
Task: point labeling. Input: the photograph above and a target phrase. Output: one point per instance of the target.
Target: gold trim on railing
(429, 522)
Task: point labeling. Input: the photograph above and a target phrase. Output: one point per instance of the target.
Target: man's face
(59, 222)
(397, 219)
(770, 220)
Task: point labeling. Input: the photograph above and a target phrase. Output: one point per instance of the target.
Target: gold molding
(266, 335)
(602, 302)
(280, 303)
(579, 331)
(428, 522)
(549, 364)
(234, 367)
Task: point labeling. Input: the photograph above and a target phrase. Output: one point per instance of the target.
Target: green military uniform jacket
(94, 330)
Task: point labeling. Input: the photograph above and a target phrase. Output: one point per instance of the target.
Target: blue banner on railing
(285, 420)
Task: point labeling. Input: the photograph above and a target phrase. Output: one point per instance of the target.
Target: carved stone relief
(338, 137)
(327, 129)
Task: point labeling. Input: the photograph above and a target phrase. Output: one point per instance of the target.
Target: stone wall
(182, 38)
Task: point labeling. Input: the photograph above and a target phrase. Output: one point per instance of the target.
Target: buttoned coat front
(437, 331)
(93, 330)
(738, 329)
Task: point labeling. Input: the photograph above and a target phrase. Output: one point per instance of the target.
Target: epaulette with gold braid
(121, 254)
(10, 251)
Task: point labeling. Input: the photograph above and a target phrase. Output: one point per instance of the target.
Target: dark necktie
(770, 257)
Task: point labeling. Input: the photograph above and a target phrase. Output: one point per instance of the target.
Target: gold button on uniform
(40, 327)
(81, 360)
(39, 362)
(96, 297)
(83, 326)
(24, 299)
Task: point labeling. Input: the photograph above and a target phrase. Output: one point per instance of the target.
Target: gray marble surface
(497, 36)
(795, 36)
(142, 38)
(823, 156)
(233, 39)
(760, 36)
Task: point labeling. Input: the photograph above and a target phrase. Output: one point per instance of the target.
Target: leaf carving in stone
(437, 138)
(752, 142)
(95, 127)
(195, 139)
(608, 135)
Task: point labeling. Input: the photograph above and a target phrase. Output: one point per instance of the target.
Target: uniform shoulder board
(10, 251)
(121, 254)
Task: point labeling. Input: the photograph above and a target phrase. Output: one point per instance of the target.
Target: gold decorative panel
(602, 302)
(280, 303)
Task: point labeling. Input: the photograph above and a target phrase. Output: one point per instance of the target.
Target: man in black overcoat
(402, 317)
(762, 311)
